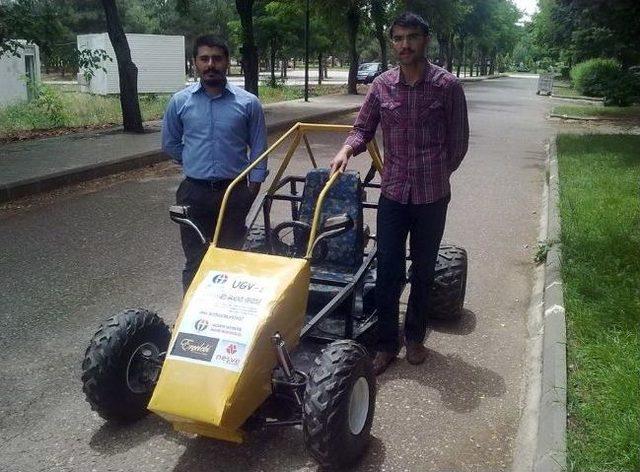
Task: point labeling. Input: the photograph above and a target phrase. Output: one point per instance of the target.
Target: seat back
(345, 251)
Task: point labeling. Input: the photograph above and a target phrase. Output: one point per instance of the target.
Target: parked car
(368, 71)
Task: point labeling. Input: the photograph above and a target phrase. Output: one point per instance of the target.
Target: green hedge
(605, 78)
(595, 76)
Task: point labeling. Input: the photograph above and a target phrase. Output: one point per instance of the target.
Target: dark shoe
(381, 361)
(416, 353)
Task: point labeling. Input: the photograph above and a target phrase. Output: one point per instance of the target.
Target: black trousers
(204, 198)
(425, 225)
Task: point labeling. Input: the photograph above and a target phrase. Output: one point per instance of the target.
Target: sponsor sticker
(229, 355)
(193, 346)
(226, 307)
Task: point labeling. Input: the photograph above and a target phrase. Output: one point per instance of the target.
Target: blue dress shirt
(209, 136)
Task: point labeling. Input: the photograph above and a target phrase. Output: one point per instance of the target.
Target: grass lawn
(58, 110)
(598, 111)
(294, 92)
(565, 91)
(600, 210)
(71, 110)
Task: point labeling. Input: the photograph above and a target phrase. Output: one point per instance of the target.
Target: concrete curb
(571, 117)
(77, 175)
(551, 444)
(63, 178)
(541, 439)
(481, 78)
(578, 97)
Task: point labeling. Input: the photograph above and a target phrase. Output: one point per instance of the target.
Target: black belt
(213, 184)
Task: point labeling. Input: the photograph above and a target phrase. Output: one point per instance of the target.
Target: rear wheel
(122, 364)
(256, 240)
(339, 404)
(446, 298)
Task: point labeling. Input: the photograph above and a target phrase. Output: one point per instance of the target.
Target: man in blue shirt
(208, 128)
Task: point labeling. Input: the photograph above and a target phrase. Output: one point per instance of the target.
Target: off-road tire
(326, 427)
(104, 368)
(255, 240)
(446, 298)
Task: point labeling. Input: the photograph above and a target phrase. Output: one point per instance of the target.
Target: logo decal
(219, 278)
(194, 346)
(201, 325)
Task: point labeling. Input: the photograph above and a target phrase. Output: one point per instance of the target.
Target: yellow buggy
(276, 334)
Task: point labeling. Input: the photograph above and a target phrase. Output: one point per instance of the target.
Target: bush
(46, 110)
(623, 91)
(606, 78)
(546, 64)
(595, 77)
(49, 101)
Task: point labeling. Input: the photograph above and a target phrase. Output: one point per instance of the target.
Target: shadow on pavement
(113, 438)
(263, 450)
(461, 385)
(464, 325)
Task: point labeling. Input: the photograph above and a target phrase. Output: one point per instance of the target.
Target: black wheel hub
(143, 368)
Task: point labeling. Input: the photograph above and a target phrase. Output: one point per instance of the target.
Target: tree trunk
(272, 59)
(249, 51)
(379, 20)
(353, 23)
(451, 52)
(461, 55)
(319, 68)
(127, 70)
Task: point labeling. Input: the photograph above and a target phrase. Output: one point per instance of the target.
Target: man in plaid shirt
(423, 114)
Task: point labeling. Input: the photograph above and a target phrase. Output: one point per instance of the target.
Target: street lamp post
(306, 53)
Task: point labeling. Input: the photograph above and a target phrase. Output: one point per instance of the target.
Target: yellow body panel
(203, 398)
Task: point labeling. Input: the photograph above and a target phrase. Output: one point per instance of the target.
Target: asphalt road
(71, 259)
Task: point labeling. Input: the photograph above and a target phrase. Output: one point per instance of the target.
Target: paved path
(71, 260)
(29, 166)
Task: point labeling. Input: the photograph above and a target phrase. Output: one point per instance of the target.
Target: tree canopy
(269, 34)
(571, 31)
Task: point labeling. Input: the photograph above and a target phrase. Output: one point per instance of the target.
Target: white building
(160, 60)
(17, 71)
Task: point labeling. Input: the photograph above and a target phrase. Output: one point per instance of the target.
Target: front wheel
(339, 403)
(122, 364)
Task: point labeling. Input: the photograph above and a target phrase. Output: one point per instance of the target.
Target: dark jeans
(204, 199)
(395, 221)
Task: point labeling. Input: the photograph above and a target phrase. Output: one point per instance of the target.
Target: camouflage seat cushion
(345, 251)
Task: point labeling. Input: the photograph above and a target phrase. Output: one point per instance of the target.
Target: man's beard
(216, 80)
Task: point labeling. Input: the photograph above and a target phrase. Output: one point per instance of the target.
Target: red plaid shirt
(425, 130)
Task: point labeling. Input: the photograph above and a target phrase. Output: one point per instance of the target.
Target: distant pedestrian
(214, 130)
(423, 113)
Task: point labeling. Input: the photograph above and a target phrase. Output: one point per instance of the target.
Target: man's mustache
(406, 50)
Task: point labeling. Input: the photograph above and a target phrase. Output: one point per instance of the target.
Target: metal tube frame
(298, 131)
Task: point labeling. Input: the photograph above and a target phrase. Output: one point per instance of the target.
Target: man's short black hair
(410, 20)
(211, 41)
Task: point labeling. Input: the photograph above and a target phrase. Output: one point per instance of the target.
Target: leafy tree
(277, 24)
(576, 30)
(37, 21)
